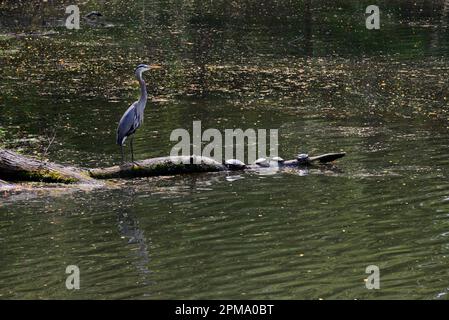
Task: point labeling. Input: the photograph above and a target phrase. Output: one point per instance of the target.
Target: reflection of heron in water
(128, 227)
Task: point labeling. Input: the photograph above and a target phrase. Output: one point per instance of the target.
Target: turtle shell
(234, 164)
(263, 162)
(277, 159)
(302, 158)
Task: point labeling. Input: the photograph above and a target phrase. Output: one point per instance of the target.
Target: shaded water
(381, 97)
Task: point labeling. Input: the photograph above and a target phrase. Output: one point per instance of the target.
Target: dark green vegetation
(309, 68)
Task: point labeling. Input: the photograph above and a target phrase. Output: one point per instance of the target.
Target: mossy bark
(159, 167)
(16, 167)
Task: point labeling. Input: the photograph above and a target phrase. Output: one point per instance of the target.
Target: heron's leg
(123, 155)
(132, 149)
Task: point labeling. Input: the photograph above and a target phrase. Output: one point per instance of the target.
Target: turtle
(94, 18)
(234, 164)
(278, 159)
(262, 162)
(303, 158)
(93, 14)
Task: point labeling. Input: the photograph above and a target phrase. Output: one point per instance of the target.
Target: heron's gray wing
(128, 124)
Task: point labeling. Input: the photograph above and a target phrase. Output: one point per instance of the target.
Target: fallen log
(15, 167)
(162, 166)
(5, 185)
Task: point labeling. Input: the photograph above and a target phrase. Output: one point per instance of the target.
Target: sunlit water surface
(288, 235)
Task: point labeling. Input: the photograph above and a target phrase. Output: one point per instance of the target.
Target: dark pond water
(315, 73)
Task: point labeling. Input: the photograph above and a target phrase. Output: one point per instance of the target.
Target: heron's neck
(143, 90)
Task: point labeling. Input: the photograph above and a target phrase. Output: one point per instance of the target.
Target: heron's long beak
(155, 66)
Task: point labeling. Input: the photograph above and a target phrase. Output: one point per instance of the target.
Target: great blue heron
(133, 117)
